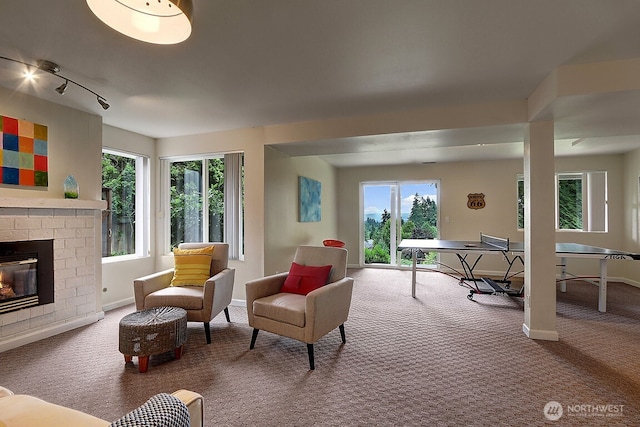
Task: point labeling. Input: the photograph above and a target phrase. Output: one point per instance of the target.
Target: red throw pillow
(303, 279)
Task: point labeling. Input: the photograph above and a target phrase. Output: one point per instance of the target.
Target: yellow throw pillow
(192, 266)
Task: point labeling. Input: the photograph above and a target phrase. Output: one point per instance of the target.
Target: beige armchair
(202, 303)
(306, 318)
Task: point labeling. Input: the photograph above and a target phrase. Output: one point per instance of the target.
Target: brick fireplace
(73, 227)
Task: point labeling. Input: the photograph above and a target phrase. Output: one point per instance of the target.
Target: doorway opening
(396, 210)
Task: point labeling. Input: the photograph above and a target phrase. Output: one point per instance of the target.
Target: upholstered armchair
(305, 318)
(202, 303)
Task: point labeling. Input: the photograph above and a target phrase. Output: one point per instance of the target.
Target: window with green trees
(205, 201)
(395, 211)
(570, 202)
(124, 177)
(581, 202)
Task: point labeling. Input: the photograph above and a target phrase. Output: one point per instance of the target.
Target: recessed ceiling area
(594, 124)
(381, 150)
(414, 147)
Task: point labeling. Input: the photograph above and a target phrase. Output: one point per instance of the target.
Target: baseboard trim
(118, 304)
(238, 303)
(127, 301)
(41, 334)
(484, 273)
(536, 334)
(625, 281)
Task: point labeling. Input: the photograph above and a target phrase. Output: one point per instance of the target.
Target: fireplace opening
(26, 274)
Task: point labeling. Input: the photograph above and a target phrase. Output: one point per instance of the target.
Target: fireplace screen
(26, 274)
(18, 282)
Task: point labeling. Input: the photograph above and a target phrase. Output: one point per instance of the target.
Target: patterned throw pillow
(162, 410)
(192, 266)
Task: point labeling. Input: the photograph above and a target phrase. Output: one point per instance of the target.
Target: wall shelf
(24, 202)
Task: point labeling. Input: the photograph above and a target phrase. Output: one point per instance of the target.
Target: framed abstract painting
(310, 206)
(23, 153)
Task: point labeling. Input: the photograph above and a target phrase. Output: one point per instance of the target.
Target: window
(569, 214)
(392, 211)
(215, 214)
(125, 188)
(581, 201)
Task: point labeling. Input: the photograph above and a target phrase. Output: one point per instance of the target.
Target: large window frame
(142, 211)
(581, 202)
(395, 213)
(233, 201)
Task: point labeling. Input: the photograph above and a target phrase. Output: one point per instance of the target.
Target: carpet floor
(438, 359)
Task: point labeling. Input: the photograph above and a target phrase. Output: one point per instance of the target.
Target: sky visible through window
(377, 197)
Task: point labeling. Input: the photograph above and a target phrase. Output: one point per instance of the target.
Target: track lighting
(103, 103)
(53, 69)
(62, 88)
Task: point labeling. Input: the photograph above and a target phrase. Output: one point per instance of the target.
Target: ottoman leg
(127, 358)
(178, 351)
(143, 363)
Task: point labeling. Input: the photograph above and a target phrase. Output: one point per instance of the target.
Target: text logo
(553, 411)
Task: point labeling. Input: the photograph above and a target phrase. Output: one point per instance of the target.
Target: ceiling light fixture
(151, 21)
(28, 74)
(53, 69)
(62, 88)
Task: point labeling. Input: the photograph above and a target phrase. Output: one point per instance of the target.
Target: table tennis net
(498, 242)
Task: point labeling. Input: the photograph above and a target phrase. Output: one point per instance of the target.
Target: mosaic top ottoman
(153, 331)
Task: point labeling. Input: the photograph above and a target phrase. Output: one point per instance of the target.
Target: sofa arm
(327, 308)
(195, 404)
(22, 410)
(219, 290)
(143, 286)
(262, 287)
(161, 410)
(5, 392)
(265, 286)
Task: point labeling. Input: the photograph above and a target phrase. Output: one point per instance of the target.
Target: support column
(539, 232)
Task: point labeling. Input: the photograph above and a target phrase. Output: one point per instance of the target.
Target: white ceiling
(253, 63)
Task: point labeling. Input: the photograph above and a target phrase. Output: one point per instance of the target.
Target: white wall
(118, 276)
(497, 180)
(631, 218)
(74, 141)
(283, 230)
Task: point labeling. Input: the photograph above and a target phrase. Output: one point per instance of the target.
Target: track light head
(103, 103)
(62, 88)
(48, 66)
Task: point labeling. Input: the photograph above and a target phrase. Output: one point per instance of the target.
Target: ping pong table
(511, 252)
